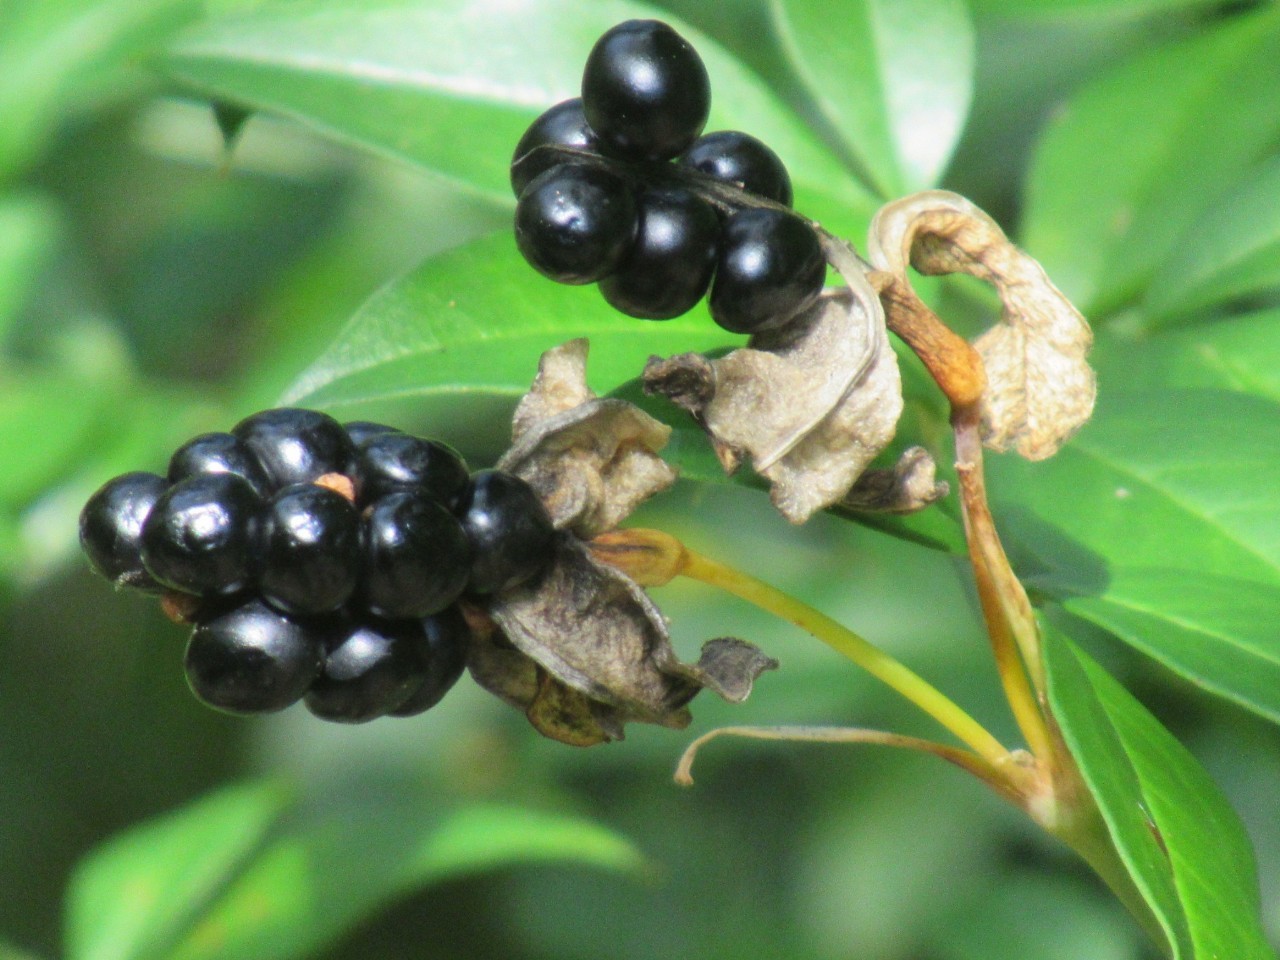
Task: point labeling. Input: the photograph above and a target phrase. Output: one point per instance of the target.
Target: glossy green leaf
(1230, 253)
(474, 321)
(380, 76)
(1131, 162)
(250, 872)
(52, 50)
(893, 77)
(1081, 8)
(1241, 354)
(1181, 842)
(1161, 521)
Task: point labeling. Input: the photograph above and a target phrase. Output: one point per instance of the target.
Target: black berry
(742, 160)
(217, 453)
(415, 557)
(201, 535)
(445, 639)
(398, 461)
(645, 91)
(574, 223)
(564, 125)
(111, 527)
(770, 268)
(361, 430)
(295, 446)
(252, 660)
(369, 670)
(509, 530)
(669, 266)
(310, 550)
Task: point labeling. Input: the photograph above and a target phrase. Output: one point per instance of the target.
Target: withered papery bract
(812, 403)
(1040, 388)
(581, 649)
(591, 460)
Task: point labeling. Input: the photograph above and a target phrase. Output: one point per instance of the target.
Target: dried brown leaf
(912, 484)
(812, 403)
(1040, 388)
(583, 651)
(592, 461)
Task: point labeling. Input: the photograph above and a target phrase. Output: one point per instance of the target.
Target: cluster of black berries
(318, 561)
(599, 200)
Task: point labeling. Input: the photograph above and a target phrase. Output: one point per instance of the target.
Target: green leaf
(1080, 8)
(1161, 521)
(1240, 354)
(250, 872)
(1231, 252)
(29, 231)
(382, 76)
(893, 77)
(1139, 154)
(474, 321)
(1179, 839)
(53, 50)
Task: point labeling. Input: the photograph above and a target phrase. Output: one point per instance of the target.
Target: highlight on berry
(621, 187)
(318, 561)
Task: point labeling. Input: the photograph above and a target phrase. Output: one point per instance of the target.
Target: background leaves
(357, 254)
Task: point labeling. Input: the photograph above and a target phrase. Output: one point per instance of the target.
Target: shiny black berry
(252, 659)
(201, 535)
(369, 670)
(398, 461)
(295, 446)
(310, 550)
(670, 263)
(111, 527)
(574, 223)
(564, 125)
(770, 268)
(361, 430)
(217, 453)
(415, 557)
(742, 160)
(445, 639)
(509, 530)
(645, 91)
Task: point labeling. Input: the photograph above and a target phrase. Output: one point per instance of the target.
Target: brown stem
(952, 362)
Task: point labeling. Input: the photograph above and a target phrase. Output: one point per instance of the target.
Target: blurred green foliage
(349, 250)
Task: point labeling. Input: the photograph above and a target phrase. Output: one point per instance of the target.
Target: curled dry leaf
(583, 651)
(1039, 387)
(812, 403)
(591, 460)
(912, 484)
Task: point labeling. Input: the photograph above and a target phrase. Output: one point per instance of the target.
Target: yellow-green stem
(844, 641)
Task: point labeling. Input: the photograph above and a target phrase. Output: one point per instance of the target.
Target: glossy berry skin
(740, 159)
(574, 223)
(252, 660)
(310, 550)
(111, 527)
(217, 453)
(445, 639)
(563, 125)
(371, 669)
(398, 461)
(415, 557)
(295, 446)
(509, 530)
(361, 430)
(670, 263)
(770, 268)
(645, 91)
(201, 535)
